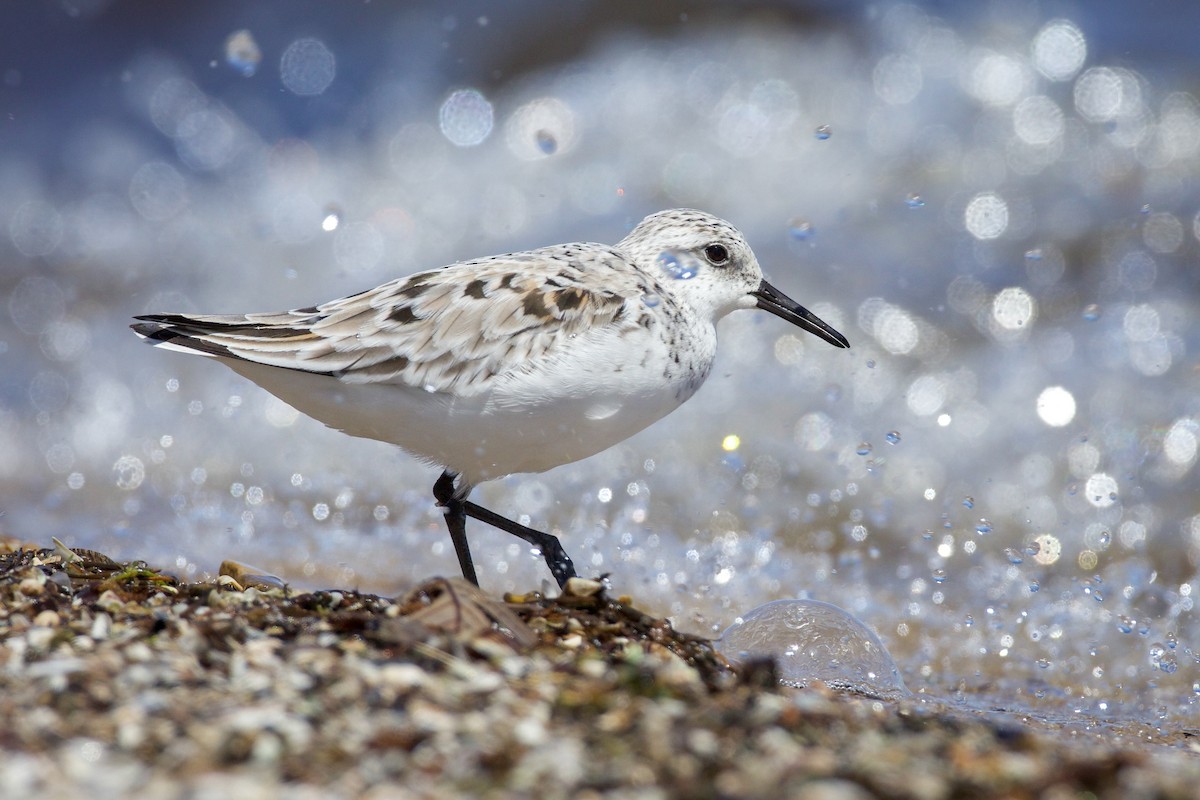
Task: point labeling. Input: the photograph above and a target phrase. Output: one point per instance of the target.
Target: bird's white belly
(594, 396)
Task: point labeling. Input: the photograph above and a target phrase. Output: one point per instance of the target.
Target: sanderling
(507, 364)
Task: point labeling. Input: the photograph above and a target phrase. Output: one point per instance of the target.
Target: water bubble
(307, 67)
(870, 363)
(968, 502)
(1013, 556)
(864, 449)
(983, 528)
(914, 200)
(1034, 254)
(823, 132)
(130, 472)
(242, 52)
(1091, 312)
(893, 437)
(546, 142)
(800, 229)
(939, 576)
(1034, 586)
(540, 128)
(466, 117)
(651, 300)
(677, 265)
(814, 641)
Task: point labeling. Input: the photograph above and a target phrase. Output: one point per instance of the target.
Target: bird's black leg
(560, 564)
(458, 508)
(456, 521)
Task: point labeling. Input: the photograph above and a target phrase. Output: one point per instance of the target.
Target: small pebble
(583, 587)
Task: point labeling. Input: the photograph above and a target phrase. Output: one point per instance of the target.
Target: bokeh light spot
(998, 80)
(814, 431)
(1103, 94)
(1038, 120)
(1013, 308)
(307, 67)
(1059, 50)
(1046, 549)
(926, 395)
(898, 79)
(896, 331)
(1181, 441)
(130, 472)
(1163, 232)
(986, 216)
(1101, 490)
(1056, 406)
(466, 118)
(1141, 323)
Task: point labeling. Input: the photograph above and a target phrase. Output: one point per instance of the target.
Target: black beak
(771, 299)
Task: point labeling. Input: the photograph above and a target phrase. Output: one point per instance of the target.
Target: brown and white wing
(449, 330)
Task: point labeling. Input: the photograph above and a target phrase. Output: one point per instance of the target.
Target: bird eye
(717, 254)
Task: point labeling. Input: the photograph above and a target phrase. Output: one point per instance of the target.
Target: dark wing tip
(161, 329)
(153, 329)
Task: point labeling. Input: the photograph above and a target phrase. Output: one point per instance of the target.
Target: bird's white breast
(597, 389)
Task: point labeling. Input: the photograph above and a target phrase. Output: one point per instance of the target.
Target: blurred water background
(996, 202)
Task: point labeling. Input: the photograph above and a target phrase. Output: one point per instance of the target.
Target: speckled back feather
(452, 329)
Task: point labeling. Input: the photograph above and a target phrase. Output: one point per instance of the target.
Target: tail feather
(176, 332)
(275, 340)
